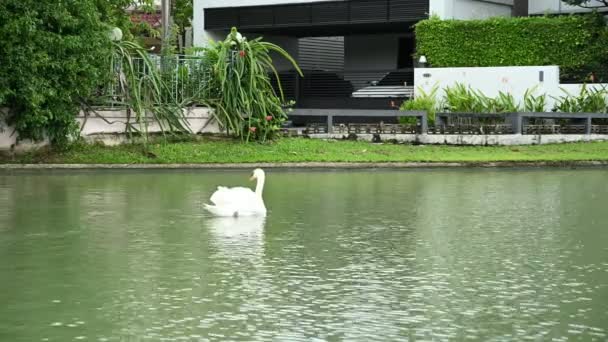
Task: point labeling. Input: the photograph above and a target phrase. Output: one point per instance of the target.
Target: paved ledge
(473, 139)
(310, 165)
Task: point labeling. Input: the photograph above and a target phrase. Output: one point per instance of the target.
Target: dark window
(407, 47)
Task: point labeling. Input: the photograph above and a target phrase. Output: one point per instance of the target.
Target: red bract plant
(247, 105)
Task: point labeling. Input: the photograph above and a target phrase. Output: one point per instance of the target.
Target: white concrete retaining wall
(474, 140)
(491, 80)
(479, 9)
(109, 127)
(557, 6)
(470, 9)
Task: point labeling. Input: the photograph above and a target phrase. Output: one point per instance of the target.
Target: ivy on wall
(578, 44)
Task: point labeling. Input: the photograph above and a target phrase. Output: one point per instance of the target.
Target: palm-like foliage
(533, 103)
(246, 103)
(145, 93)
(589, 100)
(423, 101)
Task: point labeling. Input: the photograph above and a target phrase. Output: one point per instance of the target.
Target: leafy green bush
(533, 103)
(587, 101)
(464, 99)
(504, 103)
(246, 102)
(576, 43)
(53, 53)
(147, 90)
(423, 101)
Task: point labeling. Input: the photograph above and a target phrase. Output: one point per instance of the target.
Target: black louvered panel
(292, 15)
(368, 11)
(319, 14)
(220, 18)
(321, 53)
(325, 84)
(252, 17)
(330, 13)
(288, 84)
(408, 10)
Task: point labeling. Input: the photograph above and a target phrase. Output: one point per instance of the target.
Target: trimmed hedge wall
(578, 44)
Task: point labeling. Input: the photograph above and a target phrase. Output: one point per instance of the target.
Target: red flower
(252, 129)
(242, 53)
(269, 117)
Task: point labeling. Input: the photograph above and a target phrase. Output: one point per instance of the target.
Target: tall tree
(182, 17)
(53, 53)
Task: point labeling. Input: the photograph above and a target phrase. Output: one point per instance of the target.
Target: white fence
(186, 78)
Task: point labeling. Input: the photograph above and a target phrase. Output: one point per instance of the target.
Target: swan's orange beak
(252, 178)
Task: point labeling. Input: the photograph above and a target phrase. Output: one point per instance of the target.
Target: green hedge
(52, 54)
(578, 44)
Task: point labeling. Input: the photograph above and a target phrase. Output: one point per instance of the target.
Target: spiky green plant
(588, 100)
(533, 103)
(422, 101)
(504, 103)
(246, 103)
(146, 94)
(461, 98)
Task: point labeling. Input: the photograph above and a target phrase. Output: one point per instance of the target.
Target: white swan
(239, 201)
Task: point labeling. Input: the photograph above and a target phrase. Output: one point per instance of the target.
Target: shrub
(532, 103)
(246, 102)
(423, 101)
(578, 44)
(587, 101)
(147, 90)
(463, 99)
(53, 54)
(504, 103)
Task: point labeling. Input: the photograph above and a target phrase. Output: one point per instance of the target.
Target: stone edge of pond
(310, 165)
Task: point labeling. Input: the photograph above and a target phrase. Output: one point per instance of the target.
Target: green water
(502, 255)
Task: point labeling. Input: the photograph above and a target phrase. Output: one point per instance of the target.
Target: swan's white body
(239, 201)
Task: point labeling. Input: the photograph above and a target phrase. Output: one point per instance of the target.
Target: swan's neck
(260, 186)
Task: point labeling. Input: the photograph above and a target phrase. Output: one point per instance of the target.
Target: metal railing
(186, 78)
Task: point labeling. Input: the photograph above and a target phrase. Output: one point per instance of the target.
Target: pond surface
(504, 255)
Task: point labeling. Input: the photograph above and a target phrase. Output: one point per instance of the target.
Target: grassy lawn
(308, 150)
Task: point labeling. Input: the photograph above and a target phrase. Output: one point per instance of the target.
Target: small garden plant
(589, 100)
(463, 99)
(533, 103)
(423, 101)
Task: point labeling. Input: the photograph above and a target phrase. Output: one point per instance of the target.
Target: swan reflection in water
(238, 236)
